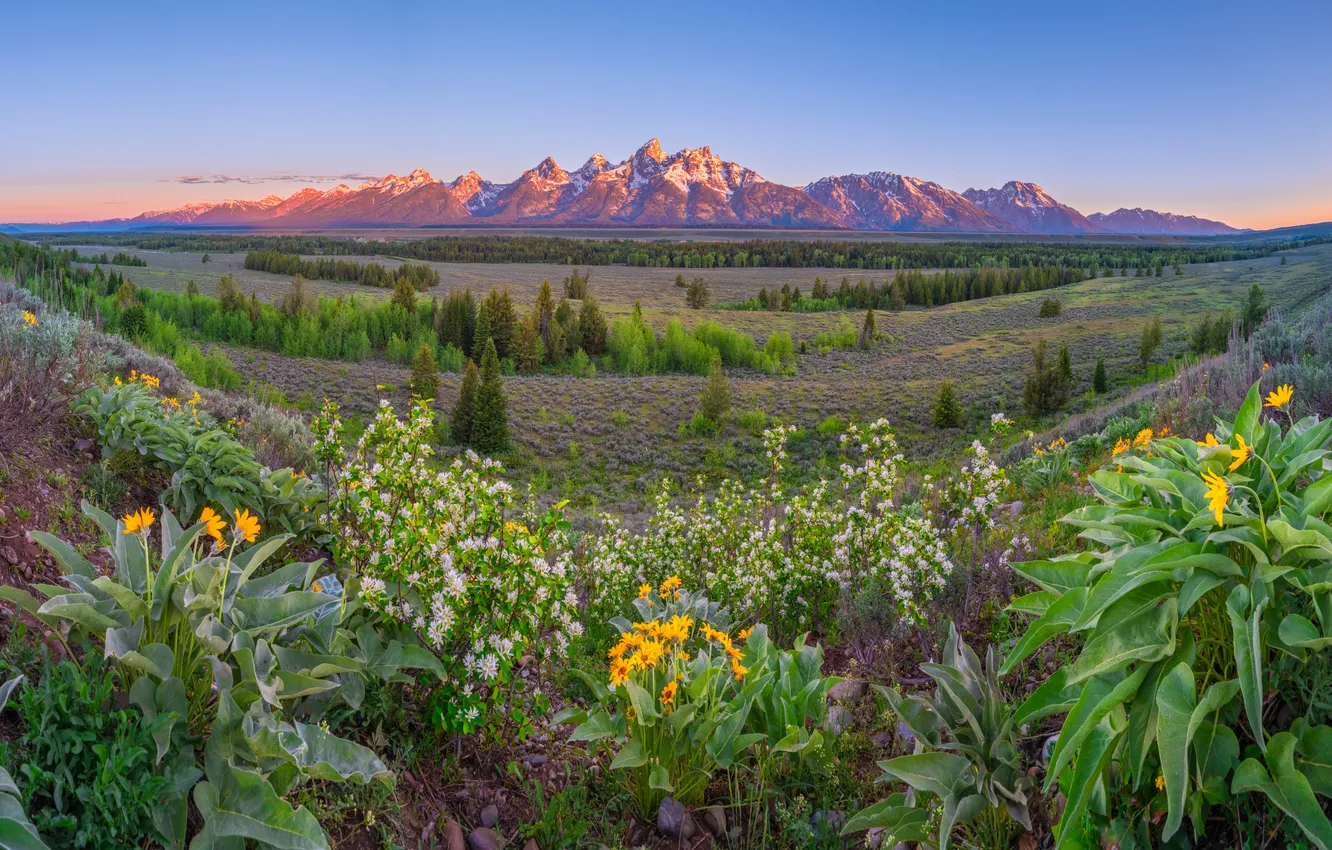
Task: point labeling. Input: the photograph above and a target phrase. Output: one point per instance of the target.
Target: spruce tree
(481, 333)
(490, 419)
(867, 329)
(716, 399)
(591, 327)
(947, 409)
(425, 373)
(1100, 381)
(1151, 340)
(460, 421)
(544, 311)
(404, 295)
(1065, 366)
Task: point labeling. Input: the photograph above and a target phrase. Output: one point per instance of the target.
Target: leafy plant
(16, 831)
(1210, 564)
(206, 645)
(966, 755)
(88, 769)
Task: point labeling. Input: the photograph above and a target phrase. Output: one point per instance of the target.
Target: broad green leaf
(250, 809)
(899, 822)
(934, 772)
(1296, 630)
(1092, 761)
(1053, 696)
(1286, 787)
(16, 836)
(1054, 576)
(659, 780)
(323, 755)
(1057, 619)
(1248, 655)
(1246, 421)
(5, 691)
(1175, 701)
(271, 614)
(630, 756)
(1149, 637)
(79, 608)
(1099, 697)
(67, 556)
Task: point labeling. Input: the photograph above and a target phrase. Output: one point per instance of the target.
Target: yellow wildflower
(140, 520)
(247, 525)
(619, 672)
(737, 669)
(1164, 432)
(29, 319)
(671, 584)
(1241, 454)
(1266, 366)
(644, 590)
(1209, 443)
(1160, 783)
(651, 652)
(1144, 437)
(1122, 446)
(213, 526)
(1280, 397)
(668, 692)
(1218, 494)
(745, 633)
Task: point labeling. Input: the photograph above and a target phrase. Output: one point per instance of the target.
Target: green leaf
(1098, 699)
(658, 779)
(1057, 619)
(16, 836)
(935, 773)
(1054, 696)
(1054, 576)
(250, 809)
(270, 614)
(79, 608)
(1175, 701)
(1091, 764)
(1246, 421)
(1286, 787)
(5, 690)
(1149, 637)
(67, 556)
(1248, 655)
(323, 755)
(630, 756)
(899, 822)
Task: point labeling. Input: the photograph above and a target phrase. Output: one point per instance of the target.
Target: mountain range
(690, 188)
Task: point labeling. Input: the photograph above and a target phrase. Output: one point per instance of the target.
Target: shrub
(1046, 389)
(1100, 381)
(697, 293)
(1051, 307)
(701, 426)
(425, 373)
(443, 555)
(831, 426)
(779, 348)
(460, 421)
(753, 421)
(1151, 340)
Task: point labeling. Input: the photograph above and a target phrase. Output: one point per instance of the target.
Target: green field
(606, 437)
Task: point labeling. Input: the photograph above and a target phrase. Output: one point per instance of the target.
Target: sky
(1216, 109)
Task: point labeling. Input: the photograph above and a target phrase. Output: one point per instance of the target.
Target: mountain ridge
(692, 187)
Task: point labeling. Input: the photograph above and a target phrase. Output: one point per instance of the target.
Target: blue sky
(1217, 109)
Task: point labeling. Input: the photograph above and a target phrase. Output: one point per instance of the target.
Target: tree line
(421, 277)
(120, 259)
(752, 253)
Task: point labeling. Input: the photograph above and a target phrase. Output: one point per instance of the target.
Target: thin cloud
(194, 179)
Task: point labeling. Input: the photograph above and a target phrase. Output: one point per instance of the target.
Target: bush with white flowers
(444, 557)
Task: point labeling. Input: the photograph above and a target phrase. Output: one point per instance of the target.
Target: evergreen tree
(716, 399)
(425, 373)
(490, 419)
(230, 296)
(1255, 309)
(1283, 261)
(559, 344)
(482, 333)
(1045, 390)
(680, 281)
(867, 330)
(544, 311)
(460, 421)
(404, 295)
(697, 293)
(530, 351)
(1151, 340)
(503, 321)
(1100, 381)
(947, 409)
(591, 327)
(1065, 365)
(298, 299)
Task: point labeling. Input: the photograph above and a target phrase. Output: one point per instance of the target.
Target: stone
(531, 845)
(1015, 509)
(9, 555)
(490, 816)
(882, 740)
(674, 821)
(839, 719)
(851, 689)
(1048, 748)
(484, 838)
(453, 835)
(536, 759)
(904, 732)
(715, 821)
(84, 445)
(874, 838)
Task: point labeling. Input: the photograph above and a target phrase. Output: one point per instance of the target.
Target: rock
(489, 816)
(485, 839)
(536, 759)
(904, 732)
(9, 555)
(851, 689)
(85, 445)
(674, 821)
(839, 719)
(1015, 508)
(715, 821)
(531, 845)
(874, 838)
(453, 835)
(882, 740)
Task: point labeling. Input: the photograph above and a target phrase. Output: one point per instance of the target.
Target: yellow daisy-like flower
(1209, 443)
(737, 669)
(619, 672)
(745, 633)
(1280, 397)
(29, 319)
(1160, 783)
(247, 525)
(1218, 494)
(1266, 366)
(140, 520)
(671, 584)
(1144, 437)
(1241, 454)
(644, 590)
(1164, 432)
(1121, 446)
(213, 526)
(668, 692)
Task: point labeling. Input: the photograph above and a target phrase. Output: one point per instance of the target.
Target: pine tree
(460, 421)
(867, 329)
(404, 295)
(1045, 390)
(1065, 365)
(490, 418)
(1100, 381)
(530, 351)
(481, 334)
(544, 311)
(425, 373)
(591, 327)
(1255, 309)
(1151, 340)
(947, 409)
(716, 399)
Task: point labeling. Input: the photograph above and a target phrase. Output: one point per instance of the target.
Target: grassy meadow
(602, 440)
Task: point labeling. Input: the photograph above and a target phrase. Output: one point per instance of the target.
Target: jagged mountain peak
(1029, 207)
(1139, 220)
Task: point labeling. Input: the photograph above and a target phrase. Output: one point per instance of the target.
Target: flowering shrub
(442, 557)
(781, 557)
